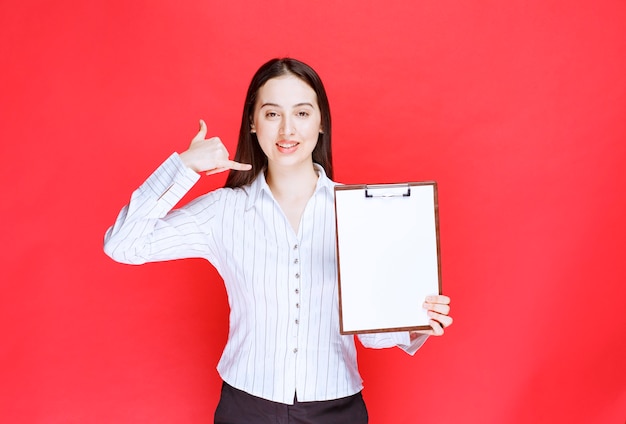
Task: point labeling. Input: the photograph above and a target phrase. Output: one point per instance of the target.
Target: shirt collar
(259, 185)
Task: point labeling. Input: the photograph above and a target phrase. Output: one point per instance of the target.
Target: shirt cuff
(411, 346)
(171, 181)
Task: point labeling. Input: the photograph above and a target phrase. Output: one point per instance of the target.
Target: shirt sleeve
(147, 230)
(401, 339)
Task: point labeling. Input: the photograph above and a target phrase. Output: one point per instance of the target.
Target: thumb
(201, 132)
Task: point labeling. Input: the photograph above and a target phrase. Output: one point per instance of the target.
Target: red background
(517, 108)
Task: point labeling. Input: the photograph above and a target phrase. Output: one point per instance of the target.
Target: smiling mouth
(286, 145)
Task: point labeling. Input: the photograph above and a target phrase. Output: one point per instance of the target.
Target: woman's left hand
(438, 309)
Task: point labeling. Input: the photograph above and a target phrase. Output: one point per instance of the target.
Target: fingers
(438, 303)
(210, 155)
(443, 320)
(228, 165)
(216, 171)
(437, 327)
(438, 298)
(438, 308)
(239, 166)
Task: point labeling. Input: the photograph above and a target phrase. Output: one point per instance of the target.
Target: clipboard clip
(388, 190)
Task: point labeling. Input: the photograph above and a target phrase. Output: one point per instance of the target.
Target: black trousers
(239, 407)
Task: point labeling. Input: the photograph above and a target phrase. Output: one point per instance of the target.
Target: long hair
(248, 148)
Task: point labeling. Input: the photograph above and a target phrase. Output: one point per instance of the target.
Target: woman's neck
(292, 183)
(292, 189)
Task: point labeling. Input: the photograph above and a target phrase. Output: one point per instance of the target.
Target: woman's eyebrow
(279, 106)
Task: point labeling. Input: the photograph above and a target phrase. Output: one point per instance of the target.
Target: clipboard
(388, 255)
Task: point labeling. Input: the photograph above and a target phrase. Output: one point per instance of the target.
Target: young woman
(270, 233)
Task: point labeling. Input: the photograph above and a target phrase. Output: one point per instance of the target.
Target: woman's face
(287, 121)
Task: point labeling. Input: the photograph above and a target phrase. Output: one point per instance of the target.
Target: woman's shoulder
(226, 197)
(224, 194)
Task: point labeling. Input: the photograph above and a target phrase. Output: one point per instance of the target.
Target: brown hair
(248, 149)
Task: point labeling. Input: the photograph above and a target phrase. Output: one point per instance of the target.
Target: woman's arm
(147, 229)
(438, 307)
(143, 231)
(401, 339)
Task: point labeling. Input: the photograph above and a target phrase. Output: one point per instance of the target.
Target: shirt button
(295, 350)
(296, 261)
(297, 322)
(297, 291)
(297, 275)
(297, 305)
(295, 247)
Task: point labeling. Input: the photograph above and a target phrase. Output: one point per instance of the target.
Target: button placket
(295, 272)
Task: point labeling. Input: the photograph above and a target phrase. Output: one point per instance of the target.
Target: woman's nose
(287, 127)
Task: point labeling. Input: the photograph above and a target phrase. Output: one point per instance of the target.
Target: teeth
(287, 146)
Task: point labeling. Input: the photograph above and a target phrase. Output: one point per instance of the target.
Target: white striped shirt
(282, 287)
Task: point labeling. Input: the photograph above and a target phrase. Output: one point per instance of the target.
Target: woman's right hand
(209, 155)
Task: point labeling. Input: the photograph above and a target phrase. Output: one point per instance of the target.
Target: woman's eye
(303, 114)
(271, 114)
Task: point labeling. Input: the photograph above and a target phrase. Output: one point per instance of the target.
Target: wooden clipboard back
(388, 255)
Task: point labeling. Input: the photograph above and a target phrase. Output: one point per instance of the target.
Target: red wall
(517, 108)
